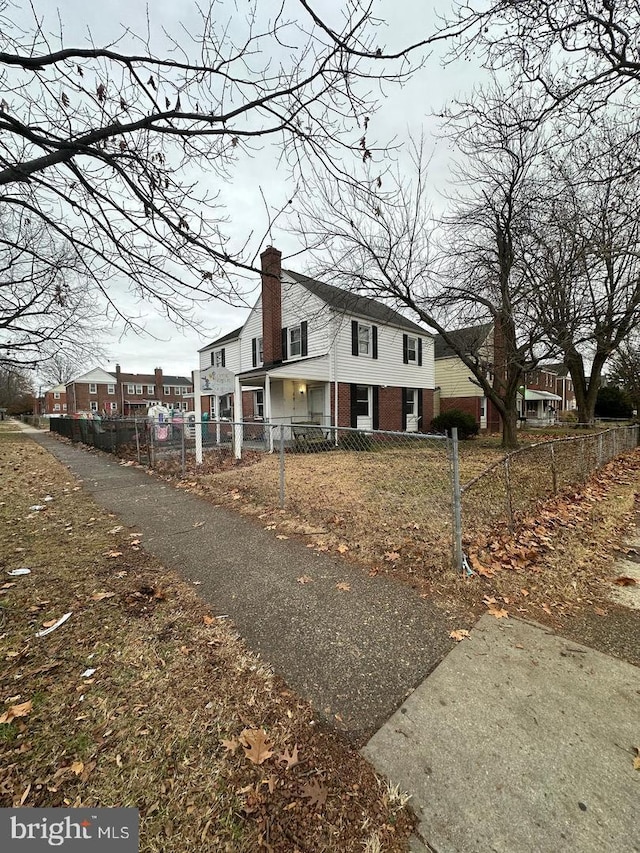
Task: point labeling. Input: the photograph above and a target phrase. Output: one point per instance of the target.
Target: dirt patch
(142, 698)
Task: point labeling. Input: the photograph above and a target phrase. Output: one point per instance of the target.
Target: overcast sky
(402, 111)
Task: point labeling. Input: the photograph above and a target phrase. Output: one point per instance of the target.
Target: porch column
(267, 409)
(237, 418)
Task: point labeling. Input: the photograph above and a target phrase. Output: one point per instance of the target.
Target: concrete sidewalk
(355, 655)
(519, 742)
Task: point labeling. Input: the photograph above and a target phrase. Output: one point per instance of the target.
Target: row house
(53, 402)
(127, 394)
(313, 352)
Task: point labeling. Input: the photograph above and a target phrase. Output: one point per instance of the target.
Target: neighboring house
(127, 394)
(313, 352)
(53, 402)
(541, 403)
(564, 387)
(456, 386)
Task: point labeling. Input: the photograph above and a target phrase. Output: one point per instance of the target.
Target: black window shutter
(254, 352)
(213, 358)
(353, 389)
(222, 357)
(421, 427)
(374, 341)
(284, 344)
(354, 337)
(405, 397)
(405, 349)
(303, 337)
(376, 407)
(419, 352)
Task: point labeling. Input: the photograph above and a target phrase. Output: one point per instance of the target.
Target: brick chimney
(271, 305)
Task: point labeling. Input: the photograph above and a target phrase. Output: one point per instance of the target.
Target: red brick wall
(79, 398)
(471, 405)
(247, 405)
(50, 402)
(389, 407)
(271, 305)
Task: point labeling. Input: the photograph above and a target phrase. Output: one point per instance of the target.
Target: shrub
(466, 424)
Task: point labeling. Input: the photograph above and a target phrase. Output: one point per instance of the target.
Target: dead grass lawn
(129, 702)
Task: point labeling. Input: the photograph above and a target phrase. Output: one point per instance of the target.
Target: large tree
(383, 243)
(120, 148)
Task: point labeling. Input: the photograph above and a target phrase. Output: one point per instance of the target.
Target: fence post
(507, 481)
(135, 424)
(554, 470)
(281, 465)
(456, 501)
(182, 447)
(599, 451)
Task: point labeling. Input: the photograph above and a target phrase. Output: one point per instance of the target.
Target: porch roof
(289, 370)
(540, 395)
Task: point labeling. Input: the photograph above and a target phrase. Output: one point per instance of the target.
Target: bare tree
(383, 243)
(121, 149)
(45, 305)
(624, 371)
(16, 391)
(584, 264)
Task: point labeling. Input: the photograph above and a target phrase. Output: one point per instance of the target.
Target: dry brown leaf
(459, 635)
(623, 580)
(49, 623)
(342, 548)
(498, 612)
(20, 710)
(77, 767)
(289, 758)
(114, 554)
(208, 620)
(281, 536)
(316, 793)
(524, 592)
(392, 556)
(230, 745)
(100, 596)
(599, 611)
(343, 586)
(636, 760)
(546, 609)
(257, 746)
(305, 579)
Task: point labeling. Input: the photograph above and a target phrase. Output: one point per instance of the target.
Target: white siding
(252, 329)
(299, 304)
(231, 355)
(388, 368)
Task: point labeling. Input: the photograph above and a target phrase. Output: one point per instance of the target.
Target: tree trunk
(509, 429)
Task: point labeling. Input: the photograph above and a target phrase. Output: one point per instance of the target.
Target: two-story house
(53, 402)
(127, 394)
(313, 352)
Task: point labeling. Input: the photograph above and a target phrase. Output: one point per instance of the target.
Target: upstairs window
(166, 390)
(131, 389)
(364, 340)
(257, 352)
(295, 342)
(138, 389)
(56, 395)
(218, 358)
(93, 388)
(151, 390)
(111, 389)
(412, 350)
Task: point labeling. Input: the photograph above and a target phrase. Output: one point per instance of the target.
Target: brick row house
(313, 352)
(127, 394)
(53, 402)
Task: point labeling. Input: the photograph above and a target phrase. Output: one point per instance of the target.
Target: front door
(316, 404)
(364, 407)
(412, 409)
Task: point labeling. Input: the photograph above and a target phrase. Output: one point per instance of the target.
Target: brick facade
(116, 399)
(389, 407)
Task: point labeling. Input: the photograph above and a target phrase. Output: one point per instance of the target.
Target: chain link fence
(391, 497)
(512, 486)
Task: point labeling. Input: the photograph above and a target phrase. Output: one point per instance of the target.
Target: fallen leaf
(116, 529)
(100, 596)
(625, 581)
(498, 612)
(343, 586)
(256, 745)
(459, 635)
(281, 536)
(524, 592)
(316, 793)
(289, 758)
(305, 579)
(636, 760)
(599, 611)
(17, 711)
(77, 767)
(49, 623)
(230, 745)
(208, 620)
(546, 609)
(392, 556)
(342, 548)
(114, 554)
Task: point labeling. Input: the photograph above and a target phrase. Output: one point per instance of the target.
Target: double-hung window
(364, 339)
(93, 388)
(295, 341)
(259, 403)
(111, 389)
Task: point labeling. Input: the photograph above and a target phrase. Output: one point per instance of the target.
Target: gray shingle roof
(351, 303)
(225, 339)
(469, 338)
